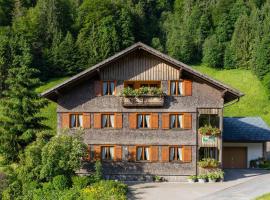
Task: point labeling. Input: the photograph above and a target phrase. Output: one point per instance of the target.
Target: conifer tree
(19, 120)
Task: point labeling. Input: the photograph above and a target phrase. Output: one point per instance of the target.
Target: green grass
(254, 103)
(50, 111)
(264, 197)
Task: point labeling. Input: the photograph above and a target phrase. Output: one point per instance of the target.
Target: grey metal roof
(246, 129)
(53, 91)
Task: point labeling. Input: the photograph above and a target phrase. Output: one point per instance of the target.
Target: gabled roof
(245, 129)
(231, 92)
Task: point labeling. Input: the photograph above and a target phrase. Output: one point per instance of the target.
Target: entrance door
(234, 157)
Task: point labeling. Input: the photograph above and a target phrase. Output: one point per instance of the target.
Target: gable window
(176, 121)
(76, 120)
(176, 88)
(107, 153)
(108, 88)
(108, 121)
(143, 153)
(176, 154)
(143, 120)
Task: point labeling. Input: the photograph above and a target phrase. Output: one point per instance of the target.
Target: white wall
(254, 150)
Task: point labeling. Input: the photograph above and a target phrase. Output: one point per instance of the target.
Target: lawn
(264, 197)
(254, 103)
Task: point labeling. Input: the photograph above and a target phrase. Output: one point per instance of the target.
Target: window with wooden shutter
(187, 154)
(176, 153)
(176, 121)
(97, 120)
(65, 120)
(108, 87)
(187, 121)
(154, 153)
(97, 152)
(154, 120)
(118, 120)
(176, 88)
(165, 121)
(132, 118)
(132, 153)
(98, 88)
(187, 88)
(86, 120)
(165, 153)
(118, 153)
(88, 155)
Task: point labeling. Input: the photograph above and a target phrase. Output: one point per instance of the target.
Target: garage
(234, 157)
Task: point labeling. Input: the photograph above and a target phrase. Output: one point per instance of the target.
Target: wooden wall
(139, 66)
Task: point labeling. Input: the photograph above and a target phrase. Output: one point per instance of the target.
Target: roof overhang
(230, 93)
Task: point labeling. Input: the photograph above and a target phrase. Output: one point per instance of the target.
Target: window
(107, 153)
(176, 121)
(143, 153)
(108, 121)
(143, 120)
(176, 88)
(206, 119)
(208, 152)
(108, 88)
(76, 120)
(139, 84)
(176, 154)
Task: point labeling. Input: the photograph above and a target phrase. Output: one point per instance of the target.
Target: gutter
(232, 102)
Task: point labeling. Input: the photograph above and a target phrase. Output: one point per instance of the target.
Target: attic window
(108, 88)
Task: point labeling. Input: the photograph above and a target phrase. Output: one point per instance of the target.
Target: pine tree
(19, 120)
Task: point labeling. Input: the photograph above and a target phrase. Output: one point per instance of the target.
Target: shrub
(105, 190)
(98, 171)
(208, 163)
(82, 181)
(60, 182)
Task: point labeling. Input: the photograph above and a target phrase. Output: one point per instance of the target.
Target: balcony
(143, 101)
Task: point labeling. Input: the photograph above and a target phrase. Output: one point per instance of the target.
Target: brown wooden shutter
(132, 118)
(154, 120)
(165, 153)
(118, 120)
(154, 153)
(187, 87)
(86, 120)
(115, 82)
(97, 120)
(165, 121)
(169, 88)
(97, 152)
(65, 120)
(118, 153)
(132, 153)
(98, 88)
(187, 153)
(187, 121)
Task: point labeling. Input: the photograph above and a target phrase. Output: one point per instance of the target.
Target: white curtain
(147, 120)
(171, 153)
(112, 120)
(105, 88)
(180, 121)
(112, 87)
(172, 87)
(139, 153)
(140, 121)
(104, 151)
(180, 154)
(73, 121)
(147, 156)
(180, 88)
(112, 152)
(104, 120)
(80, 120)
(172, 121)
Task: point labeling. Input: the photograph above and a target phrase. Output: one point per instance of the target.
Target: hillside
(254, 103)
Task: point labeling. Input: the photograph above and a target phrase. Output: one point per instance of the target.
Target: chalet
(142, 113)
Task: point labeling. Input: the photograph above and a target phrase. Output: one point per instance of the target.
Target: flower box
(143, 101)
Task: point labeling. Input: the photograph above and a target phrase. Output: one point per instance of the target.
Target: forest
(41, 40)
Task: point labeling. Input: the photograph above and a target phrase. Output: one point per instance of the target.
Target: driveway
(239, 185)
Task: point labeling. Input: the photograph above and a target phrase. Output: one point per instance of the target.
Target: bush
(98, 171)
(105, 190)
(82, 181)
(60, 182)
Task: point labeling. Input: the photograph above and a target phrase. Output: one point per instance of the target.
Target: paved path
(240, 185)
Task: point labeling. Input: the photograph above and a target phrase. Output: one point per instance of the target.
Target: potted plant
(202, 178)
(157, 179)
(192, 179)
(212, 177)
(208, 163)
(209, 130)
(220, 174)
